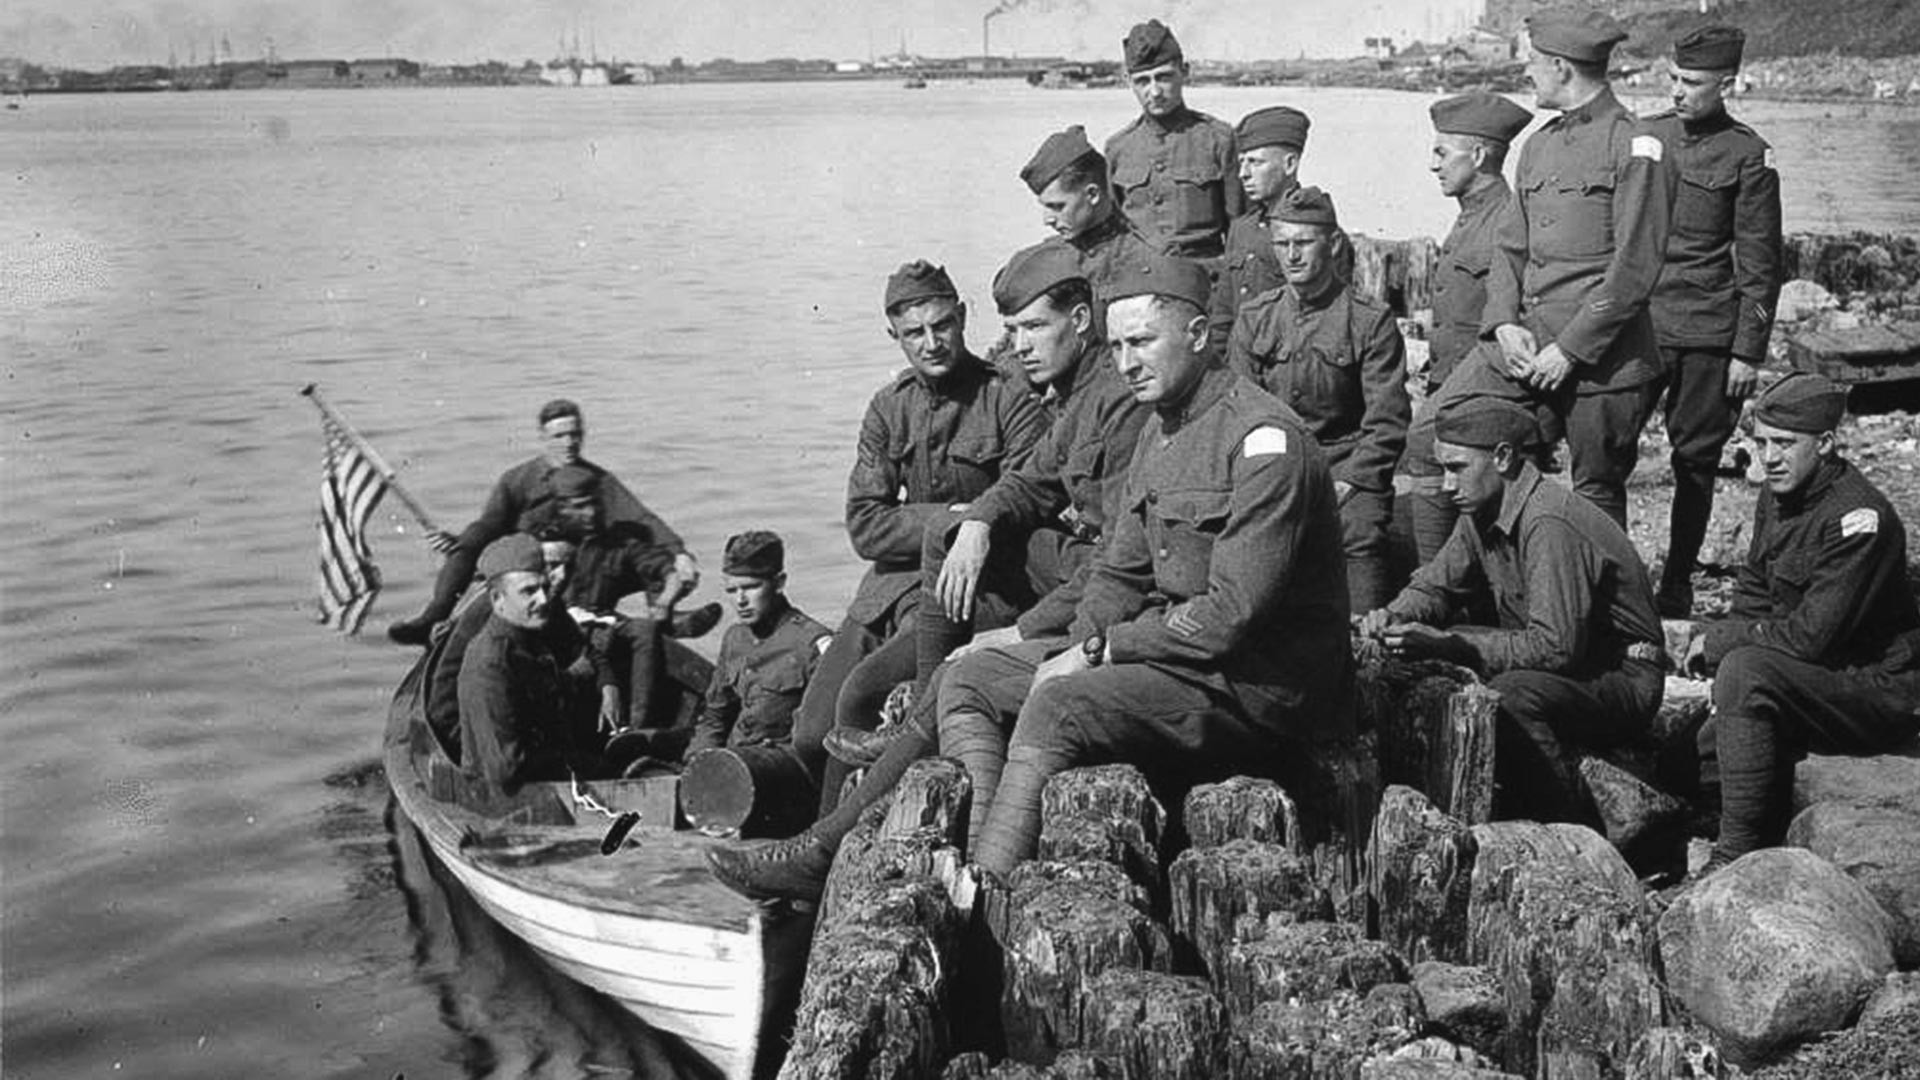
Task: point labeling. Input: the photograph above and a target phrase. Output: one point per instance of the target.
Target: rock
(1419, 876)
(1242, 808)
(1463, 1003)
(1802, 299)
(1886, 780)
(1776, 947)
(1630, 809)
(1211, 888)
(1072, 1065)
(1060, 936)
(1885, 1043)
(1325, 1039)
(1435, 1048)
(1880, 849)
(1670, 1053)
(1285, 960)
(1155, 1025)
(1399, 1068)
(1684, 706)
(1559, 919)
(1897, 997)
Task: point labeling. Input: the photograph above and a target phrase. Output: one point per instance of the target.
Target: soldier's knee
(1051, 717)
(1743, 673)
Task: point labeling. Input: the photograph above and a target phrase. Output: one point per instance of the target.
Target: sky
(101, 33)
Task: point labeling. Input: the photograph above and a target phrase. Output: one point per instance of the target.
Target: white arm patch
(1262, 441)
(1647, 146)
(1865, 520)
(1766, 157)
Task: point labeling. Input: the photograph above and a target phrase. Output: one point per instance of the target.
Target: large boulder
(1463, 1003)
(1888, 780)
(1778, 946)
(1879, 847)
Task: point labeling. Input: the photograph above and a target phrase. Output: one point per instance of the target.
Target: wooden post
(1168, 1027)
(1059, 936)
(1284, 960)
(1420, 866)
(1211, 888)
(1325, 1038)
(1242, 808)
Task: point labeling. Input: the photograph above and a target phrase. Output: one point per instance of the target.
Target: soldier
(1821, 650)
(1471, 136)
(1172, 167)
(1713, 306)
(935, 437)
(1270, 141)
(1338, 361)
(1576, 654)
(1069, 177)
(1567, 298)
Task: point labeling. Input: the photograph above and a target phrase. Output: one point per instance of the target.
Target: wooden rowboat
(646, 926)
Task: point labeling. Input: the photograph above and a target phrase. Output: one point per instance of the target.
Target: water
(199, 881)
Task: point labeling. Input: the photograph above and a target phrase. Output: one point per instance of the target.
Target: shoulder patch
(820, 644)
(1263, 441)
(1864, 521)
(1766, 158)
(1647, 146)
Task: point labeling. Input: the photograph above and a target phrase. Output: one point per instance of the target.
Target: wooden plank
(1874, 353)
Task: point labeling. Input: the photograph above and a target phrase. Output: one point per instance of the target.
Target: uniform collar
(1710, 125)
(1600, 105)
(1114, 224)
(1062, 387)
(781, 614)
(1174, 121)
(1264, 211)
(963, 372)
(1321, 299)
(1519, 492)
(1485, 195)
(1213, 386)
(1824, 477)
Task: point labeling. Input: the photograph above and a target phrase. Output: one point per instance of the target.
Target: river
(199, 880)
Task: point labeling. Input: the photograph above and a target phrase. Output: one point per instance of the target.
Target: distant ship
(915, 82)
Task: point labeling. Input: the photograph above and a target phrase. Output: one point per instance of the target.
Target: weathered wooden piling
(1419, 875)
(1061, 934)
(1155, 1026)
(1211, 888)
(1242, 808)
(1284, 960)
(1433, 725)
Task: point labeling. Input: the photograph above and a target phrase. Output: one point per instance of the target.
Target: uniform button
(1296, 394)
(1158, 199)
(1152, 497)
(1162, 553)
(1159, 166)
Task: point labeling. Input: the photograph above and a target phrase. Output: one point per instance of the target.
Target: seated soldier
(1821, 650)
(1576, 654)
(1212, 631)
(766, 657)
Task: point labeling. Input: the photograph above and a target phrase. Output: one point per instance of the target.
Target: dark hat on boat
(1033, 271)
(1803, 402)
(1060, 150)
(1161, 275)
(1576, 32)
(515, 551)
(1486, 422)
(755, 553)
(1710, 48)
(575, 481)
(1150, 45)
(1307, 206)
(916, 281)
(1489, 116)
(1278, 125)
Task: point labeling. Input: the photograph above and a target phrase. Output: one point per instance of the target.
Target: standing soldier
(1069, 177)
(1337, 360)
(1470, 140)
(1567, 299)
(1270, 141)
(1172, 167)
(1713, 307)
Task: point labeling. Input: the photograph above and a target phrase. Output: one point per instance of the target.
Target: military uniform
(1576, 655)
(1176, 180)
(1578, 259)
(1714, 301)
(758, 681)
(514, 723)
(616, 562)
(1107, 247)
(1248, 270)
(1339, 362)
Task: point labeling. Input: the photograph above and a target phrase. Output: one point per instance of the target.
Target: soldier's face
(561, 439)
(1549, 76)
(1068, 211)
(558, 555)
(932, 335)
(520, 597)
(1789, 457)
(1697, 94)
(1454, 160)
(1267, 171)
(580, 514)
(1305, 253)
(1162, 90)
(1159, 347)
(752, 598)
(1046, 340)
(1469, 476)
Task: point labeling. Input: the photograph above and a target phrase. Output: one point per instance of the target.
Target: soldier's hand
(960, 573)
(1517, 347)
(1742, 377)
(687, 568)
(987, 639)
(1550, 368)
(610, 710)
(1373, 625)
(441, 541)
(1071, 662)
(1418, 641)
(1341, 489)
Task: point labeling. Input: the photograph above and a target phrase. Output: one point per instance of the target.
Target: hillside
(1778, 28)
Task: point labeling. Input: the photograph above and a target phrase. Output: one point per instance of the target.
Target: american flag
(350, 488)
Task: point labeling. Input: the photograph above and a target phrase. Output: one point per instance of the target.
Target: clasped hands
(1543, 369)
(1382, 634)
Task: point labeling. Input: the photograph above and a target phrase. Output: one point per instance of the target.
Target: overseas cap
(1489, 116)
(574, 481)
(1150, 45)
(1061, 149)
(1161, 275)
(1577, 33)
(1803, 402)
(756, 553)
(1486, 422)
(1307, 206)
(1710, 48)
(918, 280)
(1278, 125)
(515, 551)
(1033, 271)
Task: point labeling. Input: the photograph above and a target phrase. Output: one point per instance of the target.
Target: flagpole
(312, 392)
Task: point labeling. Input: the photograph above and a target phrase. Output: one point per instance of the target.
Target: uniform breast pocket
(975, 458)
(1704, 203)
(1584, 224)
(1186, 524)
(1129, 176)
(1198, 186)
(1791, 576)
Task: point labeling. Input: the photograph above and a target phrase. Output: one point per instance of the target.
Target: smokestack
(985, 21)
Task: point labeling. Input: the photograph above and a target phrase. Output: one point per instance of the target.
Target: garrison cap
(1161, 275)
(1486, 422)
(1150, 45)
(515, 551)
(1307, 206)
(1710, 48)
(1489, 116)
(1033, 271)
(755, 553)
(574, 481)
(1062, 149)
(1803, 402)
(916, 281)
(1576, 32)
(1278, 125)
